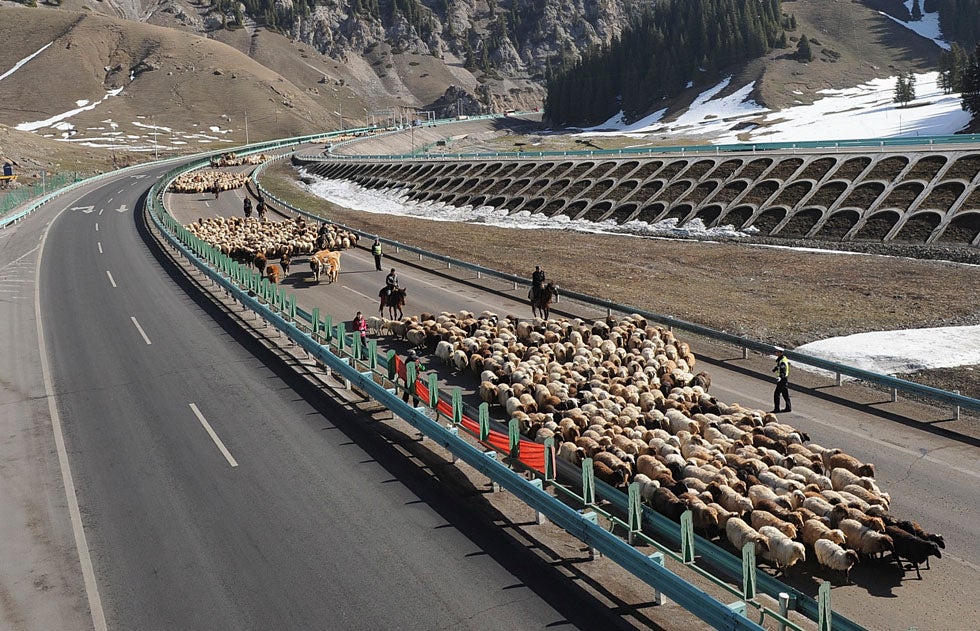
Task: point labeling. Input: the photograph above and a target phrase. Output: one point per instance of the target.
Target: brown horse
(542, 303)
(395, 301)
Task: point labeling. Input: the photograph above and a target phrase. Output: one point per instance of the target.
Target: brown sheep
(852, 464)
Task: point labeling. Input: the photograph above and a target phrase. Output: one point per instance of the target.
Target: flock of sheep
(623, 393)
(204, 181)
(245, 238)
(232, 159)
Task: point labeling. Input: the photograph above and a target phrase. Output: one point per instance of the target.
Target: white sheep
(834, 557)
(783, 551)
(740, 533)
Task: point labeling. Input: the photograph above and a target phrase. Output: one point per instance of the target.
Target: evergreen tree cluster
(970, 83)
(905, 88)
(671, 43)
(959, 20)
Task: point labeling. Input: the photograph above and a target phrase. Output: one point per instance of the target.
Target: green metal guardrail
(275, 307)
(22, 194)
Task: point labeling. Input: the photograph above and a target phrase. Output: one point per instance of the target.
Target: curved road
(323, 522)
(219, 491)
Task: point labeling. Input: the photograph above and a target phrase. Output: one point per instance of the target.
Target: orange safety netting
(531, 453)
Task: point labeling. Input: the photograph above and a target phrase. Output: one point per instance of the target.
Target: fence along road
(916, 462)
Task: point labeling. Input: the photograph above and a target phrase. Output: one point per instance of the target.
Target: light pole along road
(216, 490)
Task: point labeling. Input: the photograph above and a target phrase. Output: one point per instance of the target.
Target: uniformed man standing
(376, 251)
(782, 382)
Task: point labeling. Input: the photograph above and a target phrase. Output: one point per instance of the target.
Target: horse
(542, 303)
(395, 301)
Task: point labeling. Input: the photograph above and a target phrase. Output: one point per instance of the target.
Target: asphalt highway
(216, 489)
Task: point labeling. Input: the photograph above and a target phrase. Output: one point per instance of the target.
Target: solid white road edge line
(140, 329)
(214, 436)
(357, 292)
(81, 544)
(111, 279)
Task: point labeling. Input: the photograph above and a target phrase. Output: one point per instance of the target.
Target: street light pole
(246, 126)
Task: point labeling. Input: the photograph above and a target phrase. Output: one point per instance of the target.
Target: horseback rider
(537, 282)
(391, 284)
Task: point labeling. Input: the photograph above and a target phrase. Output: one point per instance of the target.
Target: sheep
(572, 453)
(783, 551)
(444, 351)
(865, 541)
(841, 512)
(740, 533)
(779, 511)
(831, 555)
(728, 498)
(865, 495)
(814, 530)
(852, 464)
(915, 529)
(668, 504)
(761, 518)
(913, 549)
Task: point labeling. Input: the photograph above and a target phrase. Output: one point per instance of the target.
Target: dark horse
(395, 301)
(542, 303)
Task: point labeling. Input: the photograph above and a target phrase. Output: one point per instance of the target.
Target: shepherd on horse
(392, 296)
(541, 301)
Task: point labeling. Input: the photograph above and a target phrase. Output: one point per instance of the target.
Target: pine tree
(905, 88)
(803, 51)
(971, 84)
(916, 11)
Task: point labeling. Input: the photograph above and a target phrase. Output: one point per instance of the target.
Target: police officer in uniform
(782, 382)
(376, 251)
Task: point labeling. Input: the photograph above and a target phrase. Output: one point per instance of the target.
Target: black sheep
(912, 548)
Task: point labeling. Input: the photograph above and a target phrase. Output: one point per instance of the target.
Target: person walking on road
(782, 382)
(360, 326)
(376, 251)
(247, 207)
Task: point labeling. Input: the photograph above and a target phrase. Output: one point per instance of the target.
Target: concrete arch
(738, 216)
(603, 169)
(916, 227)
(851, 168)
(828, 193)
(964, 168)
(498, 186)
(765, 221)
(792, 194)
(837, 224)
(624, 169)
(556, 187)
(648, 169)
(875, 227)
(624, 212)
(864, 195)
(675, 191)
(755, 168)
(926, 168)
(799, 224)
(596, 211)
(887, 169)
(601, 188)
(623, 190)
(492, 169)
(652, 212)
(671, 169)
(816, 169)
(679, 212)
(576, 188)
(902, 196)
(478, 200)
(942, 196)
(468, 185)
(701, 192)
(532, 205)
(962, 228)
(730, 192)
(518, 186)
(579, 169)
(709, 214)
(699, 169)
(648, 191)
(553, 208)
(496, 201)
(760, 192)
(574, 209)
(514, 203)
(785, 168)
(726, 169)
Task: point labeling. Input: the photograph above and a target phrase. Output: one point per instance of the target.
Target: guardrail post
(588, 482)
(784, 602)
(494, 486)
(748, 571)
(328, 327)
(392, 374)
(635, 512)
(658, 597)
(594, 518)
(410, 378)
(824, 613)
(452, 429)
(356, 345)
(738, 607)
(539, 517)
(434, 397)
(514, 435)
(549, 458)
(894, 395)
(341, 337)
(745, 352)
(484, 423)
(457, 405)
(372, 354)
(956, 409)
(687, 536)
(292, 307)
(839, 378)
